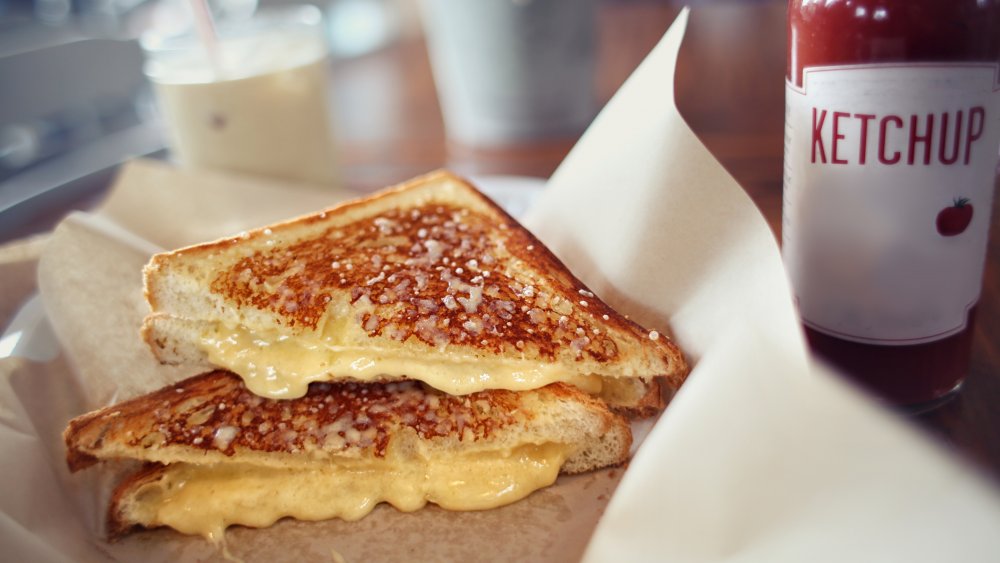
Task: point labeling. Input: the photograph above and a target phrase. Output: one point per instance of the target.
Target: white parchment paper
(761, 456)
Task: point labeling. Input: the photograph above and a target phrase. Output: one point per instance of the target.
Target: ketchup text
(840, 137)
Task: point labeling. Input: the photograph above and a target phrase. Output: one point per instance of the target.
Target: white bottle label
(889, 175)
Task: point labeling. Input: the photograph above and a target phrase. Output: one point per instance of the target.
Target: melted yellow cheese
(205, 500)
(281, 367)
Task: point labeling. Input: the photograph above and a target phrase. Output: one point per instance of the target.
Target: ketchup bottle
(891, 141)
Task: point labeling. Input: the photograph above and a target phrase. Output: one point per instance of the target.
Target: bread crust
(117, 524)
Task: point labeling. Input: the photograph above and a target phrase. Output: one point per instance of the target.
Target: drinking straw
(205, 28)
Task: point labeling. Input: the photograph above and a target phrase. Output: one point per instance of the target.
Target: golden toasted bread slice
(429, 280)
(223, 455)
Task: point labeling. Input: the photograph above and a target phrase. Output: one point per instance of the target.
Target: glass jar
(892, 137)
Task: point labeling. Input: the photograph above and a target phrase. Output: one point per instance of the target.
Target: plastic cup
(510, 71)
(257, 103)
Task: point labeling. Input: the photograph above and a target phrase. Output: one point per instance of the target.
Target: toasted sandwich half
(219, 455)
(429, 280)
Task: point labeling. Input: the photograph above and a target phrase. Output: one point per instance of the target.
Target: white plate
(514, 193)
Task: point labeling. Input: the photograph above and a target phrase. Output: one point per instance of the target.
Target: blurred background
(74, 102)
(73, 99)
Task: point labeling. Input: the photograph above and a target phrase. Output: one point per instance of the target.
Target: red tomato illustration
(954, 220)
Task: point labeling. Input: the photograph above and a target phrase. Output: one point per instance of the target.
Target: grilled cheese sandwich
(220, 455)
(406, 284)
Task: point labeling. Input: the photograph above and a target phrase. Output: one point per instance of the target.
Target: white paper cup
(509, 71)
(260, 107)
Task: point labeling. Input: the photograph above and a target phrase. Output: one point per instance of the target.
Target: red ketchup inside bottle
(849, 32)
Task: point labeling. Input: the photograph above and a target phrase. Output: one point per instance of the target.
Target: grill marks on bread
(215, 412)
(430, 266)
(436, 274)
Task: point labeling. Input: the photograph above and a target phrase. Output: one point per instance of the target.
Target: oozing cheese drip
(281, 367)
(205, 500)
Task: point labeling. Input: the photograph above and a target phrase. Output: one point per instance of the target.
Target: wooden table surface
(730, 89)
